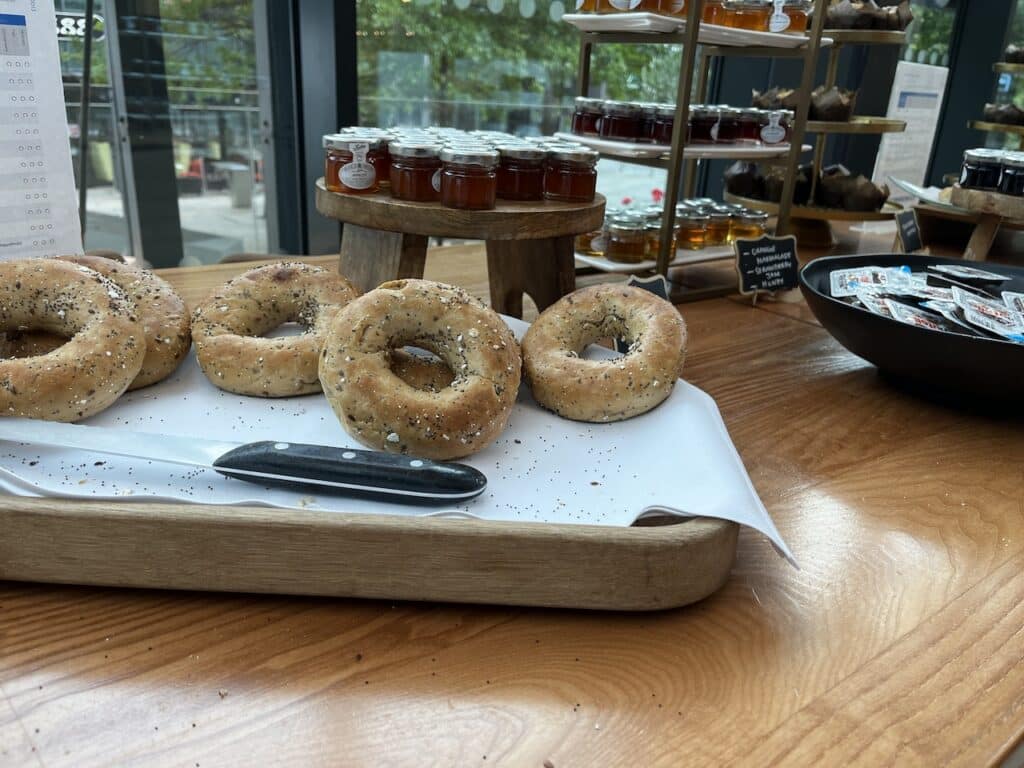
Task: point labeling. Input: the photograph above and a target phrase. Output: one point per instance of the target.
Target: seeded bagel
(228, 329)
(604, 390)
(105, 348)
(381, 410)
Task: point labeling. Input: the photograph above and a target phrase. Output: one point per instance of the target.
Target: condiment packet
(952, 312)
(1014, 301)
(968, 273)
(994, 326)
(918, 287)
(848, 282)
(1009, 320)
(874, 303)
(919, 317)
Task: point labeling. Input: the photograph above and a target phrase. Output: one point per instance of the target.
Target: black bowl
(929, 361)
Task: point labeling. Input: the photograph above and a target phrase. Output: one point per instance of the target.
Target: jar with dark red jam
(664, 123)
(469, 178)
(750, 126)
(586, 118)
(1011, 180)
(621, 121)
(648, 113)
(521, 172)
(570, 175)
(415, 171)
(704, 124)
(728, 126)
(351, 163)
(776, 126)
(982, 169)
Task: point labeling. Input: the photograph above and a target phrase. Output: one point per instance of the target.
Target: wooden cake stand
(529, 245)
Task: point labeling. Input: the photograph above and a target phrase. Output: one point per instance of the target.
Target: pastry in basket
(162, 312)
(105, 348)
(604, 390)
(228, 328)
(382, 410)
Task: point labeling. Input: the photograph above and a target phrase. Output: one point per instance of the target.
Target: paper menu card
(543, 468)
(38, 204)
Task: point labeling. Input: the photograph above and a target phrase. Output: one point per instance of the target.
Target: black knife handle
(349, 472)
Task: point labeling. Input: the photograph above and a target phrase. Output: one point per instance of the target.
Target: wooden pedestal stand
(529, 245)
(992, 211)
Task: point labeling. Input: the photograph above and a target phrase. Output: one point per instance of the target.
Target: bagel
(104, 351)
(381, 410)
(161, 310)
(227, 329)
(604, 390)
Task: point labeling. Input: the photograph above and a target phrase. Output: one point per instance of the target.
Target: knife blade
(296, 466)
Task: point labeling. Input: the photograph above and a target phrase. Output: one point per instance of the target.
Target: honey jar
(672, 7)
(652, 233)
(347, 165)
(591, 243)
(798, 13)
(521, 172)
(415, 171)
(747, 225)
(570, 175)
(617, 6)
(691, 228)
(586, 6)
(776, 126)
(469, 178)
(626, 241)
(586, 117)
(719, 223)
(703, 124)
(714, 12)
(664, 123)
(621, 121)
(748, 14)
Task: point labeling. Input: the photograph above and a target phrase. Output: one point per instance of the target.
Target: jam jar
(521, 172)
(703, 124)
(750, 126)
(747, 224)
(648, 114)
(748, 14)
(1011, 180)
(348, 166)
(728, 125)
(586, 118)
(776, 126)
(719, 223)
(617, 6)
(415, 171)
(713, 12)
(664, 123)
(672, 7)
(798, 13)
(469, 178)
(626, 241)
(570, 175)
(652, 234)
(586, 6)
(982, 169)
(621, 121)
(691, 227)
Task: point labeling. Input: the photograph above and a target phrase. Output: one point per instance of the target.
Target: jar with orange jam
(714, 12)
(672, 7)
(469, 178)
(586, 6)
(797, 12)
(748, 14)
(349, 163)
(570, 175)
(415, 171)
(521, 172)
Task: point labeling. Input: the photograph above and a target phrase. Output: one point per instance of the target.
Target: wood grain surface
(899, 641)
(507, 221)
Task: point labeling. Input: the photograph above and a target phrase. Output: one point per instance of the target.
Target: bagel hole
(20, 344)
(285, 329)
(420, 368)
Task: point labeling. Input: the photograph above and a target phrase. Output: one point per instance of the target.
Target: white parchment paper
(543, 468)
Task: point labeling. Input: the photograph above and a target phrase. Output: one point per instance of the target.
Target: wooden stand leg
(984, 235)
(370, 257)
(544, 269)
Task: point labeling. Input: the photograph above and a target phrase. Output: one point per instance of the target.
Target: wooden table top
(899, 641)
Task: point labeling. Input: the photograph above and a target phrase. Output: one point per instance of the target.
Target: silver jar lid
(470, 156)
(414, 149)
(573, 154)
(521, 151)
(984, 155)
(346, 140)
(585, 102)
(1013, 159)
(621, 108)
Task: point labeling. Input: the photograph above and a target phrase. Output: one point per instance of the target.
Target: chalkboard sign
(767, 264)
(657, 285)
(910, 234)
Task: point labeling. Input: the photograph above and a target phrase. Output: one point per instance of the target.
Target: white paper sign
(917, 94)
(677, 458)
(38, 204)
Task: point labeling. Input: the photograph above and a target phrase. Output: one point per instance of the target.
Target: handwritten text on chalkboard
(767, 264)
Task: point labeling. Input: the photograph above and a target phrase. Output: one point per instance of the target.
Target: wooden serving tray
(664, 563)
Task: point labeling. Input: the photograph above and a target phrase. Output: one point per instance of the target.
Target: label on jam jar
(358, 174)
(773, 133)
(625, 5)
(779, 22)
(714, 130)
(435, 180)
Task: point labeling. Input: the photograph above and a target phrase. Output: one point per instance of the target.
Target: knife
(295, 466)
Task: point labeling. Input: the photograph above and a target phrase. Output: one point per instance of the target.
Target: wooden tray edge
(265, 550)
